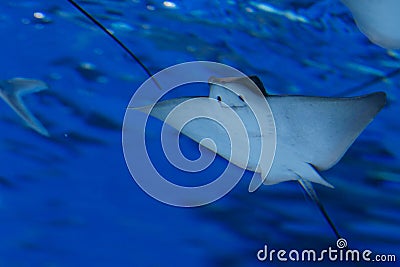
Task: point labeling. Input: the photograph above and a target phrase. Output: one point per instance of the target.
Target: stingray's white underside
(312, 133)
(379, 20)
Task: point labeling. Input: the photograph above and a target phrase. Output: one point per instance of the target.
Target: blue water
(69, 200)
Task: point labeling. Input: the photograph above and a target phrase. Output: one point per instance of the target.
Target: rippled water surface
(69, 200)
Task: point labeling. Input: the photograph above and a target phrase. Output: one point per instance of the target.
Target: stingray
(11, 91)
(312, 133)
(379, 20)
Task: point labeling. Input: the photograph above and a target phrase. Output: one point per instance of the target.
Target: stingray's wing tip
(44, 132)
(21, 86)
(252, 189)
(329, 185)
(37, 126)
(255, 183)
(382, 98)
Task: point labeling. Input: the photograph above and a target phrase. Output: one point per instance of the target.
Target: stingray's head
(227, 92)
(235, 91)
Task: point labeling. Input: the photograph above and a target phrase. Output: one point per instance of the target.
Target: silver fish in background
(11, 91)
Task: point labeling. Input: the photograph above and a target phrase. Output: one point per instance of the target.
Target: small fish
(11, 91)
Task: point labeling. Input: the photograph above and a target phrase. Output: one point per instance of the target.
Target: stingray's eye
(219, 98)
(241, 98)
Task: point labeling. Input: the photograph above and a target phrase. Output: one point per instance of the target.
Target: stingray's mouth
(234, 106)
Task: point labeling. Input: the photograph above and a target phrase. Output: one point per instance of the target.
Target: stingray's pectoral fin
(21, 86)
(11, 92)
(309, 173)
(307, 186)
(161, 109)
(258, 180)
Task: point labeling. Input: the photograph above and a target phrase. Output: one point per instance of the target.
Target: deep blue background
(69, 200)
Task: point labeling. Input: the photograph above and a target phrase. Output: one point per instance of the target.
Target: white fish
(313, 133)
(11, 92)
(379, 20)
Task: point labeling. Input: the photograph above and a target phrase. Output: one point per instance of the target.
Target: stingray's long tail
(307, 186)
(118, 41)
